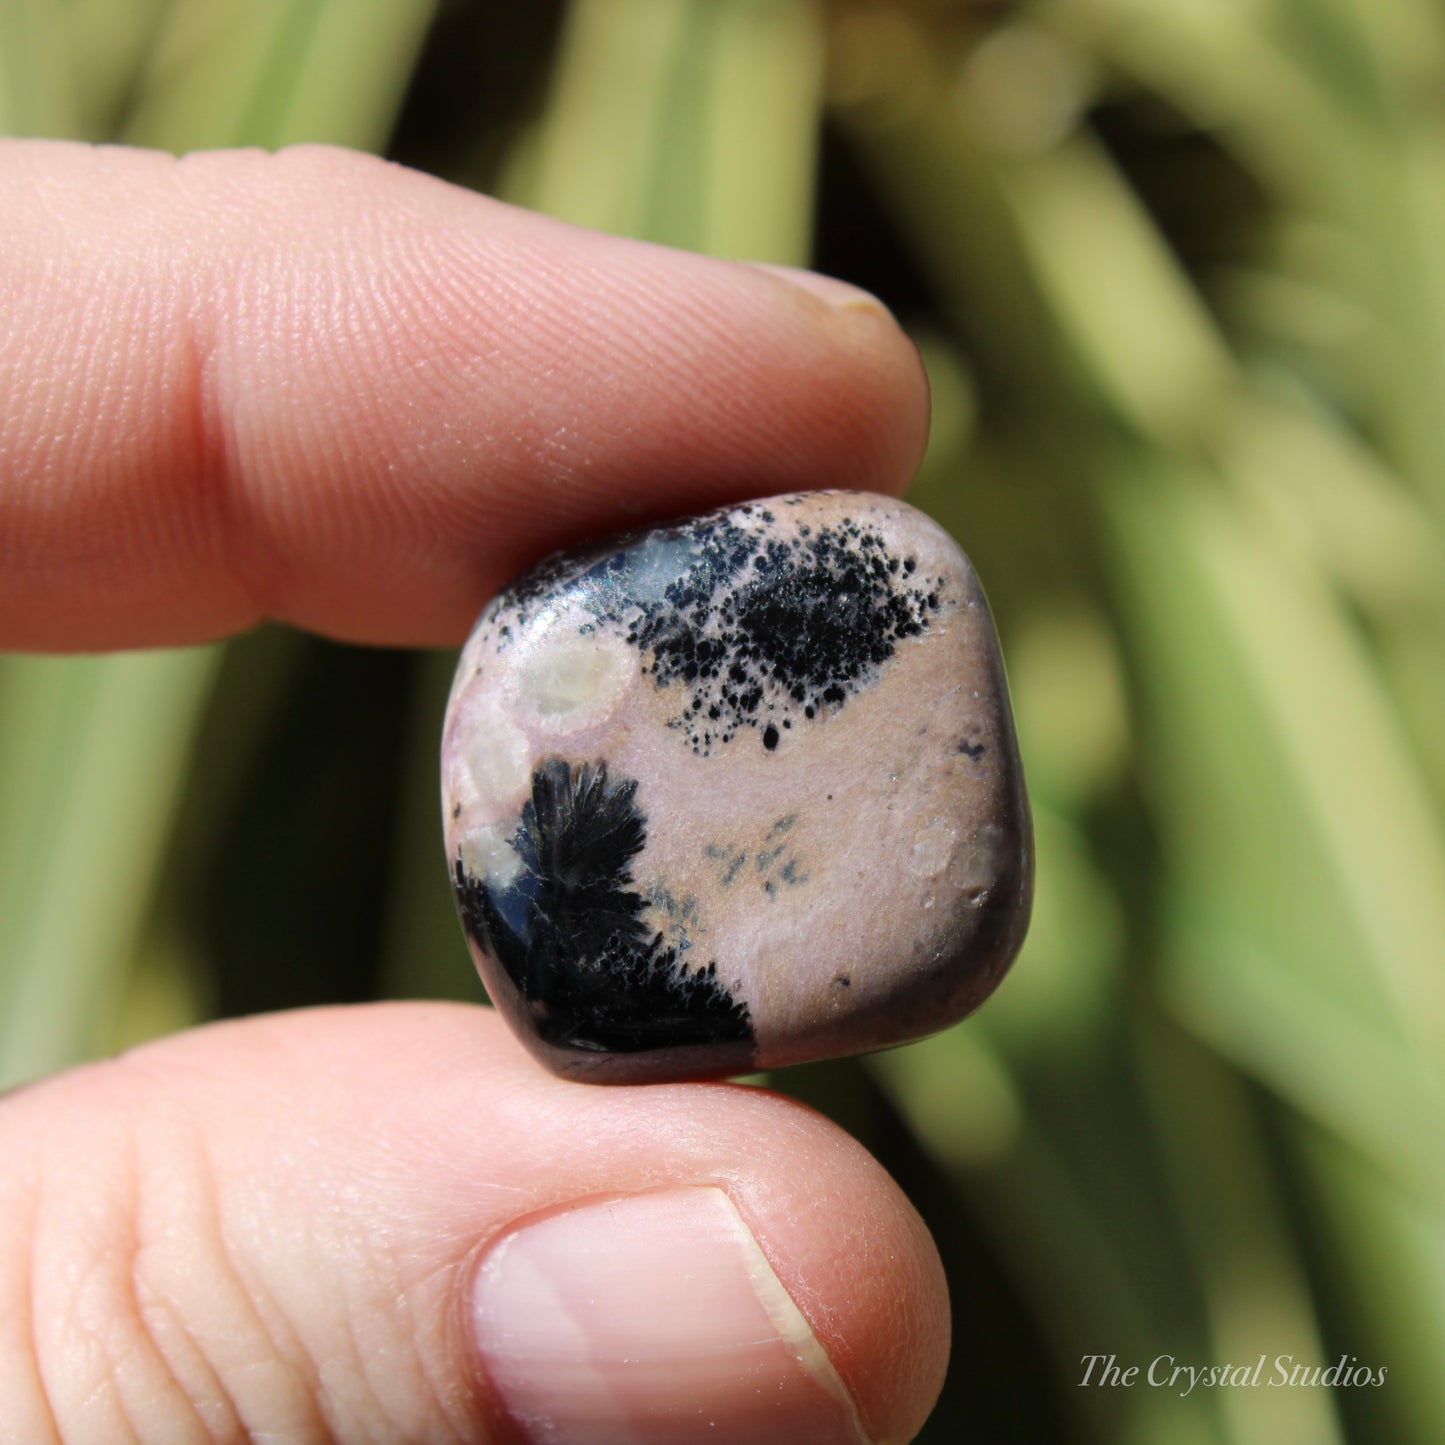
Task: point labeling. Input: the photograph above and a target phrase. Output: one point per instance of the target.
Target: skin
(319, 388)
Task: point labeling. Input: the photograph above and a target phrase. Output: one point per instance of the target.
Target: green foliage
(1178, 275)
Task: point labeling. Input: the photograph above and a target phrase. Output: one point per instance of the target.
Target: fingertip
(859, 1262)
(630, 1316)
(322, 388)
(838, 1242)
(391, 1213)
(893, 425)
(469, 1135)
(832, 291)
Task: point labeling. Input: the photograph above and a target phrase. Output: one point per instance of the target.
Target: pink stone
(738, 792)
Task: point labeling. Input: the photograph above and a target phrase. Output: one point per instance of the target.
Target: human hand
(322, 389)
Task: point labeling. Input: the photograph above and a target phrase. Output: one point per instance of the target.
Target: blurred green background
(1177, 269)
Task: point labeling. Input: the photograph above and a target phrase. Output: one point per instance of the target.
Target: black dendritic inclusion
(569, 927)
(793, 625)
(758, 630)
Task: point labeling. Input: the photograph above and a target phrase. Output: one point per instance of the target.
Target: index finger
(320, 388)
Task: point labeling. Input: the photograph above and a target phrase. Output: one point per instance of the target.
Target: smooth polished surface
(738, 792)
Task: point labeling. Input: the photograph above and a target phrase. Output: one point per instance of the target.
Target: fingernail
(840, 295)
(652, 1317)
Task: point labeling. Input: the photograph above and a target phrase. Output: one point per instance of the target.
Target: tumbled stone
(737, 792)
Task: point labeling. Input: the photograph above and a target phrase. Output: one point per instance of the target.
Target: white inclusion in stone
(487, 853)
(654, 565)
(458, 790)
(975, 869)
(934, 847)
(498, 756)
(567, 683)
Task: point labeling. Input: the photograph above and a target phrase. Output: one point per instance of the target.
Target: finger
(317, 387)
(387, 1223)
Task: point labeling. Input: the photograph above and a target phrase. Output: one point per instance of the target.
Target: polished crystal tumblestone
(738, 791)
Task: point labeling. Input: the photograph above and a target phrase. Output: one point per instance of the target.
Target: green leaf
(37, 78)
(276, 72)
(690, 123)
(94, 757)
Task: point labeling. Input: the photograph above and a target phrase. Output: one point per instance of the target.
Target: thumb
(387, 1223)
